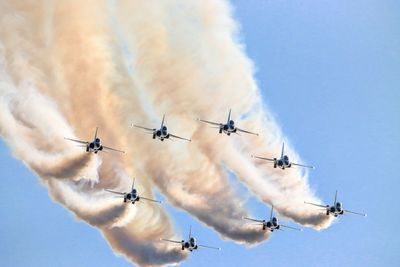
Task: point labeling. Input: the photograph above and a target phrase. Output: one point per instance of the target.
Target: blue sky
(329, 71)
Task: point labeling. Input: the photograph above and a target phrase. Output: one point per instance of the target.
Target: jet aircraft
(190, 244)
(336, 209)
(95, 145)
(132, 196)
(161, 133)
(228, 127)
(283, 162)
(272, 224)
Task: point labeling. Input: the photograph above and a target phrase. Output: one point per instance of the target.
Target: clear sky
(330, 73)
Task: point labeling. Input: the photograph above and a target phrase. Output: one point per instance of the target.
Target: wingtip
(365, 215)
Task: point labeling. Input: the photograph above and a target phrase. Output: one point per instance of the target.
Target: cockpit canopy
(231, 123)
(164, 129)
(274, 221)
(192, 241)
(97, 140)
(338, 206)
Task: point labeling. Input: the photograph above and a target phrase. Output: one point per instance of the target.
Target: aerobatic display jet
(283, 162)
(161, 133)
(190, 244)
(336, 209)
(95, 145)
(132, 196)
(228, 127)
(272, 224)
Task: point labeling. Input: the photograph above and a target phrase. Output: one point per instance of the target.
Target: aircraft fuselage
(190, 245)
(282, 163)
(228, 128)
(335, 210)
(161, 133)
(271, 225)
(94, 146)
(132, 196)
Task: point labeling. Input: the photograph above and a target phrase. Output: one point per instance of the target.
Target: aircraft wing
(357, 213)
(149, 199)
(257, 157)
(318, 205)
(175, 136)
(244, 131)
(113, 149)
(171, 241)
(306, 166)
(210, 122)
(254, 220)
(294, 228)
(77, 141)
(203, 246)
(141, 127)
(114, 192)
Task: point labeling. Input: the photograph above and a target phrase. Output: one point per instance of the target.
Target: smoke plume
(67, 67)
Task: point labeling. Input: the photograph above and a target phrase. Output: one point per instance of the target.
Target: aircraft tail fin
(95, 133)
(190, 232)
(335, 198)
(283, 149)
(229, 116)
(272, 213)
(162, 122)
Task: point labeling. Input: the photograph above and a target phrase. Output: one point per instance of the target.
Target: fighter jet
(161, 133)
(336, 209)
(228, 127)
(95, 145)
(131, 196)
(272, 224)
(283, 162)
(190, 244)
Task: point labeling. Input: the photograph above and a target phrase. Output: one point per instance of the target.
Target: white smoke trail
(69, 66)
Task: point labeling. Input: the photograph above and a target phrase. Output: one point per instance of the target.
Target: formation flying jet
(95, 145)
(272, 224)
(228, 127)
(131, 196)
(190, 244)
(336, 209)
(283, 162)
(161, 133)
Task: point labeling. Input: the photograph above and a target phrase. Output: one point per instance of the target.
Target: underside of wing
(257, 157)
(305, 166)
(253, 220)
(77, 141)
(149, 199)
(210, 122)
(114, 192)
(318, 205)
(171, 241)
(113, 149)
(182, 138)
(144, 128)
(244, 131)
